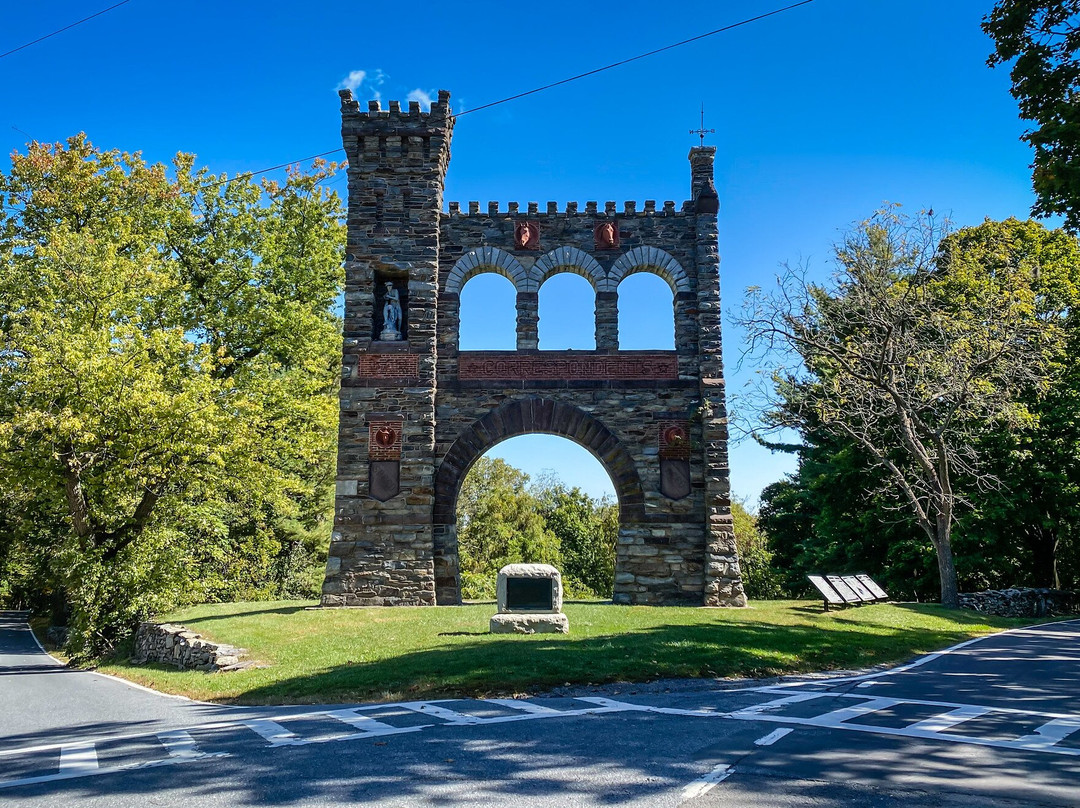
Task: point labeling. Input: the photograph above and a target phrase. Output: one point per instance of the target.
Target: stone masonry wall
(660, 550)
(654, 419)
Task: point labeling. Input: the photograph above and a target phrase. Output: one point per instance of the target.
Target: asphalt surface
(995, 724)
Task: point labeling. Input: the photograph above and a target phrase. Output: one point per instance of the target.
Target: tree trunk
(950, 596)
(1044, 543)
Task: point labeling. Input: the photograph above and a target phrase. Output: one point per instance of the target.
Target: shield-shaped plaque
(675, 478)
(385, 479)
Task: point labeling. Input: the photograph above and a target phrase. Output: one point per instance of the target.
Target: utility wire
(635, 58)
(65, 28)
(554, 84)
(248, 174)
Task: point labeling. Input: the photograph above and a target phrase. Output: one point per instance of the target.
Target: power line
(248, 174)
(636, 58)
(65, 28)
(557, 83)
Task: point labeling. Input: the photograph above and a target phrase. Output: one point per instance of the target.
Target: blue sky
(822, 114)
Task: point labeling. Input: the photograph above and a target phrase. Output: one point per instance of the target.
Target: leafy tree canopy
(168, 355)
(1042, 38)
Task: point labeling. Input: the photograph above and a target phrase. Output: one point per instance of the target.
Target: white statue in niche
(391, 314)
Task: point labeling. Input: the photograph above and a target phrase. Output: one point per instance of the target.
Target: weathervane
(702, 131)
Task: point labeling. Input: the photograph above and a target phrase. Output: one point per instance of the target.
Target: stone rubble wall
(1021, 602)
(180, 646)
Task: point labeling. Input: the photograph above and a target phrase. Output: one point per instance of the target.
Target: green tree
(586, 530)
(914, 351)
(1043, 37)
(760, 578)
(836, 515)
(168, 363)
(1025, 523)
(498, 523)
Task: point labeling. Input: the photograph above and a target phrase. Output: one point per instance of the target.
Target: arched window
(646, 313)
(488, 314)
(567, 309)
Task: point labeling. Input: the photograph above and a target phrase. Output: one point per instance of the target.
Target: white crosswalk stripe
(438, 711)
(361, 722)
(180, 744)
(1051, 732)
(78, 758)
(521, 704)
(1044, 739)
(271, 730)
(939, 723)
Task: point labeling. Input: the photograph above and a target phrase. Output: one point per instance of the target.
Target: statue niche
(393, 326)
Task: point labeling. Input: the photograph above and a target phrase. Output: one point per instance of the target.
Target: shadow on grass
(481, 664)
(192, 622)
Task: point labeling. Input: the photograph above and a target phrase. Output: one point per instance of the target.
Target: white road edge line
(707, 783)
(773, 737)
(128, 682)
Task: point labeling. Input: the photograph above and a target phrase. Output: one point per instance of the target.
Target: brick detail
(537, 367)
(384, 440)
(673, 440)
(388, 366)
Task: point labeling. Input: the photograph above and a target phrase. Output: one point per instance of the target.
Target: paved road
(994, 724)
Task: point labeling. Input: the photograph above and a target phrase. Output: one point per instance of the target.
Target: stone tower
(383, 548)
(416, 412)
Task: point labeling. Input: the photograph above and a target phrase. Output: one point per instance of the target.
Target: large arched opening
(533, 415)
(539, 499)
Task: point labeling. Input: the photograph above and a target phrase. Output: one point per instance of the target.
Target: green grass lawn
(344, 655)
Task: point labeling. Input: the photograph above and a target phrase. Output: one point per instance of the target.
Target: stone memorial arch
(416, 411)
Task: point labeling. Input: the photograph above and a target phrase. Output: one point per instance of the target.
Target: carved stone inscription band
(543, 368)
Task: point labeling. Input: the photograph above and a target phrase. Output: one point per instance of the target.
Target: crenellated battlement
(350, 109)
(593, 209)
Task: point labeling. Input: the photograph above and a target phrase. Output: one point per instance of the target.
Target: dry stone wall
(1021, 602)
(186, 649)
(417, 412)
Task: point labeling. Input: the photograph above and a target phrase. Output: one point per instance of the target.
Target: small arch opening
(513, 506)
(567, 309)
(488, 314)
(646, 313)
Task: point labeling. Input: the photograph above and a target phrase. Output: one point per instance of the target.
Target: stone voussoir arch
(569, 259)
(535, 415)
(488, 259)
(649, 259)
